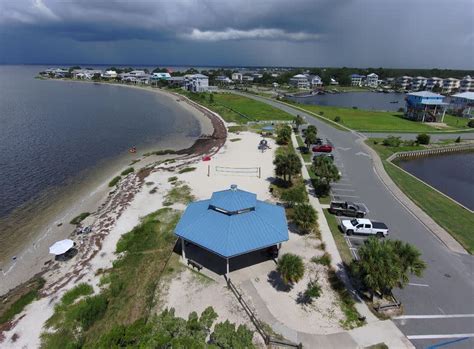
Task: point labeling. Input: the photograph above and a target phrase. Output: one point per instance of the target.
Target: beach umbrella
(60, 247)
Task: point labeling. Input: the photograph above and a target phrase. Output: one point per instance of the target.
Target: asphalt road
(446, 289)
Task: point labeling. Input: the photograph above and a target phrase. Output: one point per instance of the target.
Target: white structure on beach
(372, 80)
(196, 83)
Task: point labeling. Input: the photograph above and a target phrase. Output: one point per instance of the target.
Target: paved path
(447, 286)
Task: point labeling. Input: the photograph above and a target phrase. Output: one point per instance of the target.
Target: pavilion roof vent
(233, 201)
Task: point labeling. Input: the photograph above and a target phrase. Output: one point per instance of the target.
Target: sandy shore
(31, 253)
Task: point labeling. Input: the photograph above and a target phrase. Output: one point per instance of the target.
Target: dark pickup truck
(348, 209)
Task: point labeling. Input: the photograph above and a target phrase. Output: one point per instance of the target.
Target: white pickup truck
(364, 226)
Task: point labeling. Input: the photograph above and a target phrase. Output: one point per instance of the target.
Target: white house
(196, 83)
(300, 81)
(161, 76)
(404, 82)
(315, 80)
(467, 84)
(223, 79)
(247, 78)
(433, 82)
(237, 76)
(357, 80)
(109, 74)
(418, 83)
(372, 80)
(463, 104)
(451, 84)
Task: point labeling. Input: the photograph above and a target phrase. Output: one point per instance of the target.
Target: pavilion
(425, 106)
(232, 223)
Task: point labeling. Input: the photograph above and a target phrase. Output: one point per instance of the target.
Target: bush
(305, 217)
(291, 268)
(423, 138)
(81, 289)
(114, 181)
(225, 336)
(172, 179)
(392, 141)
(401, 110)
(88, 311)
(321, 188)
(127, 171)
(187, 169)
(471, 123)
(78, 219)
(325, 259)
(296, 195)
(313, 290)
(337, 119)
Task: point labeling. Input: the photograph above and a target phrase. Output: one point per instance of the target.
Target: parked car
(323, 148)
(364, 226)
(349, 209)
(324, 155)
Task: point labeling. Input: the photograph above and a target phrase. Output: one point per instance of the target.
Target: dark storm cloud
(407, 33)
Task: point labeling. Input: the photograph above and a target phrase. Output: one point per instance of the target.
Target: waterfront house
(237, 77)
(357, 80)
(403, 82)
(418, 83)
(196, 83)
(425, 106)
(451, 85)
(315, 80)
(434, 82)
(176, 81)
(222, 79)
(299, 81)
(231, 230)
(160, 76)
(109, 74)
(466, 84)
(463, 104)
(372, 80)
(87, 74)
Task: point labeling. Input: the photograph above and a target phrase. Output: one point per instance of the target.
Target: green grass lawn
(382, 121)
(306, 156)
(341, 244)
(239, 109)
(453, 218)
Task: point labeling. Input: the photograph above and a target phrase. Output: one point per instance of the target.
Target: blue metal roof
(233, 234)
(233, 200)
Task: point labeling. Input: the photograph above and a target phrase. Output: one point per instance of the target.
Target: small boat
(132, 150)
(394, 101)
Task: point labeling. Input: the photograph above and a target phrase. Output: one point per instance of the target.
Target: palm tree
(281, 165)
(294, 165)
(283, 134)
(325, 169)
(287, 165)
(298, 121)
(305, 217)
(310, 138)
(291, 268)
(410, 261)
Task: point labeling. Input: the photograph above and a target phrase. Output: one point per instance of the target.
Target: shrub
(114, 181)
(401, 110)
(321, 188)
(337, 119)
(296, 195)
(305, 217)
(423, 138)
(172, 179)
(225, 336)
(187, 169)
(325, 259)
(458, 140)
(88, 311)
(392, 141)
(127, 171)
(291, 268)
(81, 289)
(471, 123)
(78, 219)
(313, 290)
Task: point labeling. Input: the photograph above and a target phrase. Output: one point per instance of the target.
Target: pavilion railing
(258, 325)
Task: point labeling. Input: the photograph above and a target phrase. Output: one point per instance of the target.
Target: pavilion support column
(444, 112)
(227, 267)
(183, 252)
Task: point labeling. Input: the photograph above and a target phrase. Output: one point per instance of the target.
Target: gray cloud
(403, 33)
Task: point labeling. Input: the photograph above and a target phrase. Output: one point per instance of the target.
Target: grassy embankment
(130, 289)
(452, 217)
(382, 121)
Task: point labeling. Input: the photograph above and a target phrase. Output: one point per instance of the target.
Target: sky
(310, 33)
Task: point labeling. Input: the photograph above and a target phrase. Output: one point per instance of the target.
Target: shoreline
(32, 257)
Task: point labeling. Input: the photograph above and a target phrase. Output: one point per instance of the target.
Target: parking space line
(436, 316)
(420, 285)
(437, 336)
(346, 196)
(339, 189)
(333, 184)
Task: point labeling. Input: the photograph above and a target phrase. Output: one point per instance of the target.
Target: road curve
(447, 287)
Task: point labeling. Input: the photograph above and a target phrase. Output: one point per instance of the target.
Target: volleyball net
(237, 171)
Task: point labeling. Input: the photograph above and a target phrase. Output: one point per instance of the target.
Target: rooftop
(426, 94)
(465, 95)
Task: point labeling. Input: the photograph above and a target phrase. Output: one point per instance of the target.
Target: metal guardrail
(258, 325)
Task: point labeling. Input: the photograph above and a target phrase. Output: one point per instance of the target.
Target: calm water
(361, 100)
(52, 130)
(451, 174)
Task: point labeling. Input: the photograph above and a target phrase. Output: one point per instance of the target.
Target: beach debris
(206, 158)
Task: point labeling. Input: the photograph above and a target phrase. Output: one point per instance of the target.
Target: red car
(323, 148)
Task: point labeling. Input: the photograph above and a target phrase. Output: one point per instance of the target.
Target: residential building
(315, 80)
(357, 80)
(418, 83)
(237, 77)
(466, 84)
(247, 78)
(87, 74)
(403, 82)
(463, 104)
(196, 83)
(425, 106)
(109, 74)
(300, 81)
(451, 85)
(160, 76)
(223, 80)
(372, 80)
(433, 82)
(177, 81)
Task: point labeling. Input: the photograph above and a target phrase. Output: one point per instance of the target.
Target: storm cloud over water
(389, 33)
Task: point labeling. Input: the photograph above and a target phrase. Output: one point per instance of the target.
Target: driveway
(439, 307)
